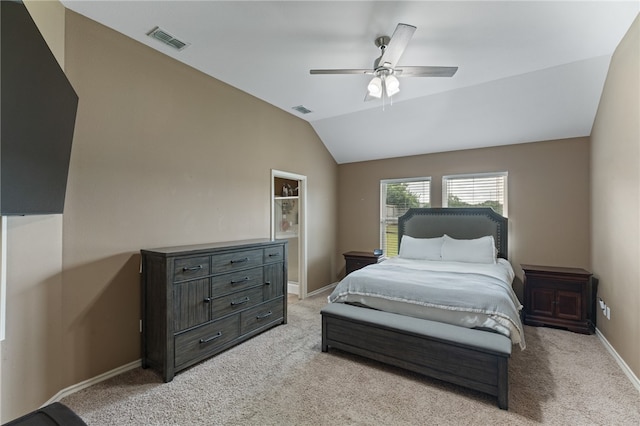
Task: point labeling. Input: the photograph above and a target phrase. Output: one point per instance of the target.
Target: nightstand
(560, 297)
(359, 259)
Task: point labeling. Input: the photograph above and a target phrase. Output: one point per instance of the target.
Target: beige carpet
(282, 378)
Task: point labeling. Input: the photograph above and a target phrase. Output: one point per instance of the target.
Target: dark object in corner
(38, 114)
(51, 415)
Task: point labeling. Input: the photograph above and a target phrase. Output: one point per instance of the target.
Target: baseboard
(623, 365)
(90, 382)
(320, 290)
(293, 287)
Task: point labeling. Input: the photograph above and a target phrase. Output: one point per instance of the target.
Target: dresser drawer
(237, 301)
(228, 262)
(186, 268)
(235, 281)
(205, 340)
(273, 254)
(261, 315)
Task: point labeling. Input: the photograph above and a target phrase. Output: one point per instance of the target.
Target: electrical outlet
(608, 313)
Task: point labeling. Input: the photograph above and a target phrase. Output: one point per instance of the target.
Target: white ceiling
(528, 71)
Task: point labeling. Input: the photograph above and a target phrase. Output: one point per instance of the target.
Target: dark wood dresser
(200, 300)
(355, 260)
(560, 297)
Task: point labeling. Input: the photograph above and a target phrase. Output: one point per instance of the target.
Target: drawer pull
(239, 302)
(240, 280)
(267, 315)
(246, 259)
(267, 283)
(214, 337)
(207, 300)
(191, 268)
(274, 254)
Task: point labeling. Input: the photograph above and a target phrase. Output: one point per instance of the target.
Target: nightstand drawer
(355, 260)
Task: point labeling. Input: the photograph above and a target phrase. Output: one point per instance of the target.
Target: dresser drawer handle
(246, 259)
(207, 300)
(267, 315)
(240, 280)
(274, 254)
(267, 283)
(192, 268)
(239, 302)
(214, 337)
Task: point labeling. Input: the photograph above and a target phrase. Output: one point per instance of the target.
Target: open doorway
(288, 221)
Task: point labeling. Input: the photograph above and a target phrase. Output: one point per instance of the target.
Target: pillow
(420, 248)
(479, 250)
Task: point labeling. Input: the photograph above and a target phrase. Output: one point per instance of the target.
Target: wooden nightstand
(561, 297)
(359, 259)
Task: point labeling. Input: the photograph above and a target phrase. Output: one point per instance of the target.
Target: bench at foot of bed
(472, 358)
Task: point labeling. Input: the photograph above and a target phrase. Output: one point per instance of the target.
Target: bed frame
(471, 358)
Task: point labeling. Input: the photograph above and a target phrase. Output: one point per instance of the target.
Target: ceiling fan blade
(425, 71)
(342, 71)
(397, 44)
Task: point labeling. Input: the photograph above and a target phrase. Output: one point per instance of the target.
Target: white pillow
(479, 250)
(420, 248)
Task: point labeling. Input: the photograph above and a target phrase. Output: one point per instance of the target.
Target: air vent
(166, 38)
(301, 109)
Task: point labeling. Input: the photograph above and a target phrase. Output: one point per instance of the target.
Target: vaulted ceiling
(528, 71)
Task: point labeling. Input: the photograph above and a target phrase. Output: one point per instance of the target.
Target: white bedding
(471, 295)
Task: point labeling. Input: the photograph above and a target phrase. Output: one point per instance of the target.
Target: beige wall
(615, 194)
(163, 155)
(548, 197)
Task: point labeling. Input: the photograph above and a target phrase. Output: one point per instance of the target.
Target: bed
(444, 307)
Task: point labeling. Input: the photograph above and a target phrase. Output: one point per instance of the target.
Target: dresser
(560, 297)
(200, 300)
(355, 260)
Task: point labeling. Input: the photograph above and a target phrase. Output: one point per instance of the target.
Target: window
(476, 190)
(396, 197)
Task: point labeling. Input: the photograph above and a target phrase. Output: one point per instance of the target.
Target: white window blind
(476, 190)
(396, 197)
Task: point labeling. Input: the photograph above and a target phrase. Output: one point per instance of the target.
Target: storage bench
(475, 359)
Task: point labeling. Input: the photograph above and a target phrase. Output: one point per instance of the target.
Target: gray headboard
(460, 223)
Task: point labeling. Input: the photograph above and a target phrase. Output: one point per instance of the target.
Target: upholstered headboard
(460, 223)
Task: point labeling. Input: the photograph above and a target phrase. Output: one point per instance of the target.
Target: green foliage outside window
(399, 200)
(455, 201)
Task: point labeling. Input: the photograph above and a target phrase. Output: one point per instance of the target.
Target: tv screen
(38, 113)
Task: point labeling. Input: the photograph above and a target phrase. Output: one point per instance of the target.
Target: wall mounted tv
(38, 114)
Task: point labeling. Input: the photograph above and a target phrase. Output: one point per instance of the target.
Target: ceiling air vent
(166, 38)
(301, 109)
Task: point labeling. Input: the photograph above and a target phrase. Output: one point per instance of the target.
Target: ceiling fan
(385, 72)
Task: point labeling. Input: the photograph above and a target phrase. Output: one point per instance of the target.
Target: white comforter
(470, 295)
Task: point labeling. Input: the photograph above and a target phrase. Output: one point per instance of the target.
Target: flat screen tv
(38, 114)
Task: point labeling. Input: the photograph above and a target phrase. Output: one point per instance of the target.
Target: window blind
(476, 190)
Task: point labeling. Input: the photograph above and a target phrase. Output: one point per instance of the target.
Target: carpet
(282, 378)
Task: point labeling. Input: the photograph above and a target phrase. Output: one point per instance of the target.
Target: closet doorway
(288, 221)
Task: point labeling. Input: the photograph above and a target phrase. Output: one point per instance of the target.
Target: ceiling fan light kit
(385, 83)
(375, 87)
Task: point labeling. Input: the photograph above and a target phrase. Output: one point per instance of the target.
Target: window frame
(383, 205)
